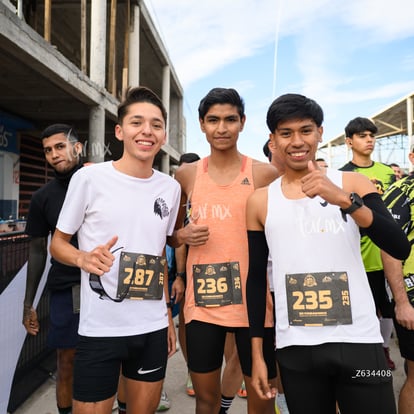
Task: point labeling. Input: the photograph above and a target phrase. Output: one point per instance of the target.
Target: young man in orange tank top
(214, 194)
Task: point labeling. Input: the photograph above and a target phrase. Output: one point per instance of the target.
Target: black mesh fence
(36, 362)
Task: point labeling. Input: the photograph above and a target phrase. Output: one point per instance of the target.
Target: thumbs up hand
(100, 259)
(316, 183)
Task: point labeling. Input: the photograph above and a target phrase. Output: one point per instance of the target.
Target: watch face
(356, 200)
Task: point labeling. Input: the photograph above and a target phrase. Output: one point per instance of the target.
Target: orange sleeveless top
(223, 209)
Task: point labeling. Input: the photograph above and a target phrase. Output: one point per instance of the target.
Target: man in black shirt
(62, 151)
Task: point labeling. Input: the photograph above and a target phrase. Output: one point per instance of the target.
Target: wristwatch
(356, 201)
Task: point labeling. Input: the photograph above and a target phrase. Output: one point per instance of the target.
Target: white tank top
(311, 245)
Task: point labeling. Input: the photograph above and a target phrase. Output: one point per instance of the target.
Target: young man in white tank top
(309, 220)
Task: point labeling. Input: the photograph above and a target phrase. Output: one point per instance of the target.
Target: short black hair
(137, 95)
(266, 150)
(293, 106)
(188, 157)
(221, 96)
(359, 124)
(66, 129)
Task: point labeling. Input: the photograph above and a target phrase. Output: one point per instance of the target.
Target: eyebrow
(310, 125)
(230, 116)
(141, 117)
(57, 143)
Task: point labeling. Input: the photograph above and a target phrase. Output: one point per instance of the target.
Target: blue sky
(354, 58)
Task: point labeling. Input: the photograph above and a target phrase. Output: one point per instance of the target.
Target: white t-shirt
(309, 236)
(102, 202)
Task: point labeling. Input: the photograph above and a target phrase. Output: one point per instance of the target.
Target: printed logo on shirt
(245, 181)
(161, 208)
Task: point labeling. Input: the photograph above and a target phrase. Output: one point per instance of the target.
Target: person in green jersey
(360, 138)
(399, 199)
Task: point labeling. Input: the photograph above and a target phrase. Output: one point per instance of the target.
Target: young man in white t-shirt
(123, 212)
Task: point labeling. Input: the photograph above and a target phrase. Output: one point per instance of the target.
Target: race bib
(141, 276)
(409, 287)
(217, 284)
(318, 299)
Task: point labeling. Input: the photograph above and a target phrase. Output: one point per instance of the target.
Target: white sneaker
(165, 403)
(281, 404)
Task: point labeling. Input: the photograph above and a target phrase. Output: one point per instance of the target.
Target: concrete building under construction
(71, 61)
(64, 61)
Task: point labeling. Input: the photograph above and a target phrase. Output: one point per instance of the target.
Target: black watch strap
(356, 203)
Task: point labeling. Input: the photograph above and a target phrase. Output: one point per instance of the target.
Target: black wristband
(169, 305)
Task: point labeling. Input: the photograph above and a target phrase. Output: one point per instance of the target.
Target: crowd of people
(277, 272)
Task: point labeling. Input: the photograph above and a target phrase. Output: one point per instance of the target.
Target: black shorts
(405, 341)
(98, 362)
(355, 375)
(63, 323)
(205, 347)
(382, 301)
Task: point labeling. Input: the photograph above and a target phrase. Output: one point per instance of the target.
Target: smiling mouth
(145, 143)
(298, 154)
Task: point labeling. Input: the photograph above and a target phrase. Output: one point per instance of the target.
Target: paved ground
(43, 400)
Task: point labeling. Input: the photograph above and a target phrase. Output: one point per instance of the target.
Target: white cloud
(384, 20)
(202, 37)
(338, 54)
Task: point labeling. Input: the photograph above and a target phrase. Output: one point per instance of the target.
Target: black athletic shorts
(382, 301)
(405, 340)
(98, 362)
(205, 347)
(63, 322)
(356, 375)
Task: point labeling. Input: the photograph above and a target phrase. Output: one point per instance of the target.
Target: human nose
(146, 128)
(54, 153)
(221, 127)
(297, 138)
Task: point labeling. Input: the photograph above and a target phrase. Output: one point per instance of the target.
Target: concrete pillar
(166, 95)
(20, 9)
(98, 42)
(182, 146)
(96, 142)
(165, 164)
(133, 73)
